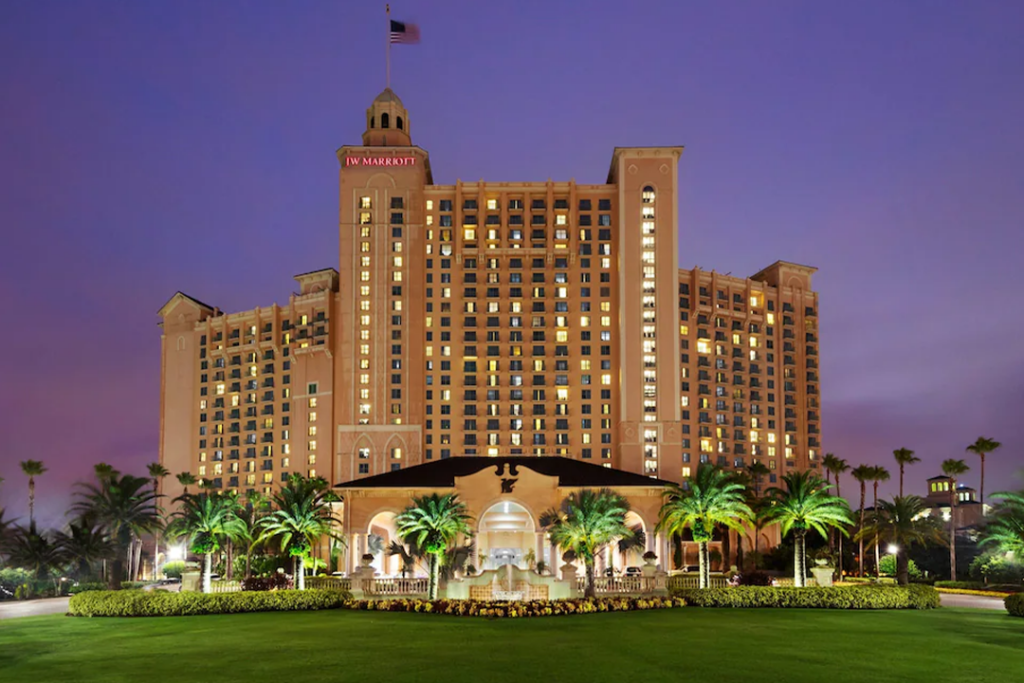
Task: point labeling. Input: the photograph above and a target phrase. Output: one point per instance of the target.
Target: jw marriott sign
(380, 161)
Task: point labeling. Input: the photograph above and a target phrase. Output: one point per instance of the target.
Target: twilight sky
(150, 147)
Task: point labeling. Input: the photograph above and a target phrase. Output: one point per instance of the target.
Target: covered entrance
(507, 535)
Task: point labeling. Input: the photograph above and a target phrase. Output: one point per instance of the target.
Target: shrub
(274, 582)
(996, 568)
(11, 579)
(528, 608)
(164, 604)
(87, 586)
(174, 570)
(1015, 604)
(753, 578)
(888, 567)
(835, 597)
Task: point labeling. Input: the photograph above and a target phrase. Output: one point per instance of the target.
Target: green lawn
(690, 644)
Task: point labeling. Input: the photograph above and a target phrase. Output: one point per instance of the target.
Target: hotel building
(495, 319)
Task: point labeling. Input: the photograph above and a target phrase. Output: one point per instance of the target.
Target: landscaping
(748, 645)
(836, 597)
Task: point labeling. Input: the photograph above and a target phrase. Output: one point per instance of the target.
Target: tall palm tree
(105, 471)
(205, 519)
(251, 513)
(303, 516)
(982, 447)
(156, 473)
(125, 507)
(805, 504)
(433, 523)
(32, 469)
(880, 474)
(757, 471)
(953, 468)
(901, 523)
(83, 545)
(904, 457)
(710, 498)
(836, 466)
(863, 474)
(186, 479)
(1005, 529)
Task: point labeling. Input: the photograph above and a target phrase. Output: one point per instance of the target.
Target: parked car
(633, 571)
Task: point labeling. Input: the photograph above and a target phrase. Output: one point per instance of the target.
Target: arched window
(372, 121)
(384, 122)
(648, 195)
(399, 119)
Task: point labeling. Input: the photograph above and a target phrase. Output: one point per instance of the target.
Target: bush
(753, 578)
(888, 567)
(174, 570)
(87, 586)
(527, 608)
(835, 597)
(1015, 604)
(996, 568)
(164, 604)
(274, 582)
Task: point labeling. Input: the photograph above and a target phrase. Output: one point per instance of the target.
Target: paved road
(975, 601)
(33, 608)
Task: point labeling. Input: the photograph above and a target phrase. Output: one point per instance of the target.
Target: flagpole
(387, 48)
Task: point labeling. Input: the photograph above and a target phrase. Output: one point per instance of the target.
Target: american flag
(402, 32)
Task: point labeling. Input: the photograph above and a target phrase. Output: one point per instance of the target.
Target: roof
(389, 96)
(442, 473)
(179, 296)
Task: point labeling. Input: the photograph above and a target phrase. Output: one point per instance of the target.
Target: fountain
(506, 592)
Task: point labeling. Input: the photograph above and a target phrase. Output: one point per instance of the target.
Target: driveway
(975, 601)
(33, 608)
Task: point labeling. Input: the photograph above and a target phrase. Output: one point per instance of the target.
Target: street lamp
(176, 552)
(892, 549)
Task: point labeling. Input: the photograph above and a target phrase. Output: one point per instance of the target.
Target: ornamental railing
(619, 585)
(397, 586)
(329, 582)
(687, 581)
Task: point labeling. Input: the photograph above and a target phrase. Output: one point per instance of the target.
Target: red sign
(380, 161)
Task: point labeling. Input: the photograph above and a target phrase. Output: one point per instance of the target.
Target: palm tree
(303, 516)
(432, 523)
(836, 466)
(186, 479)
(863, 474)
(84, 544)
(902, 522)
(32, 469)
(251, 514)
(904, 457)
(156, 473)
(33, 551)
(125, 507)
(953, 468)
(407, 553)
(981, 448)
(1005, 529)
(205, 519)
(105, 471)
(805, 504)
(880, 474)
(757, 472)
(710, 498)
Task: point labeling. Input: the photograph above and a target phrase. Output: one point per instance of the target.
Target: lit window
(396, 453)
(364, 203)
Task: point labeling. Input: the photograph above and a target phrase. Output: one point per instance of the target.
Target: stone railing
(398, 586)
(692, 580)
(329, 582)
(225, 586)
(622, 585)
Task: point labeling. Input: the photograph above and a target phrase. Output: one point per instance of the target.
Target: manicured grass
(721, 645)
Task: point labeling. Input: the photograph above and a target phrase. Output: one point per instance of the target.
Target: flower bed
(984, 593)
(528, 608)
(136, 603)
(835, 597)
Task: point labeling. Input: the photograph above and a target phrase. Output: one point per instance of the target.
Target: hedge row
(1015, 604)
(528, 608)
(835, 597)
(136, 603)
(979, 586)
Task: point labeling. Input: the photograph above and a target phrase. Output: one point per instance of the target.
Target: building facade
(495, 319)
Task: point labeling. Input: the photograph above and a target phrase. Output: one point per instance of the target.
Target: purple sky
(151, 147)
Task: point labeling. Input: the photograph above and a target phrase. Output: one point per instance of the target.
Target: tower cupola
(387, 122)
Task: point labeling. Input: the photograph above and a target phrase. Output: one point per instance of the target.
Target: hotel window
(364, 203)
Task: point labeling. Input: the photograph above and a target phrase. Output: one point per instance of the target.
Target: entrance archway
(507, 534)
(382, 526)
